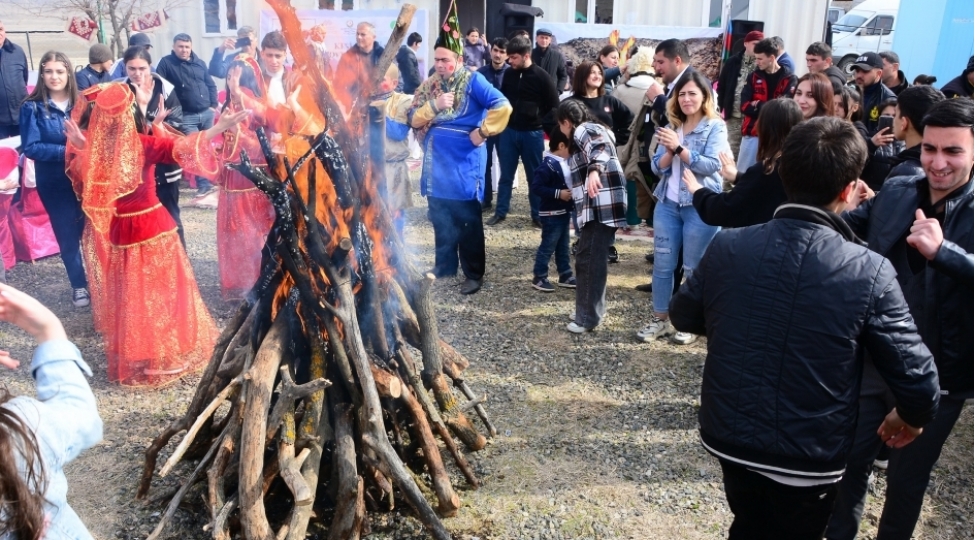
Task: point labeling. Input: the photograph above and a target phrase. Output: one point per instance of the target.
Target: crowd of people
(817, 229)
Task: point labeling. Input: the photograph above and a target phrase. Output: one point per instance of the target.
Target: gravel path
(598, 432)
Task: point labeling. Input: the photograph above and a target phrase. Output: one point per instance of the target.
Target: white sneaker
(576, 329)
(80, 297)
(657, 328)
(683, 338)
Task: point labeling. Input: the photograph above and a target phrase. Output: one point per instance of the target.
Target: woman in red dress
(155, 325)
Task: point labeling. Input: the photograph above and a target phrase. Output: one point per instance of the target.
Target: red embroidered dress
(149, 310)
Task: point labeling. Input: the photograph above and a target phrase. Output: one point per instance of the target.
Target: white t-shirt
(275, 88)
(63, 105)
(676, 170)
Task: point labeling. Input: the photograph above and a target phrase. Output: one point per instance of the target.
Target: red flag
(82, 27)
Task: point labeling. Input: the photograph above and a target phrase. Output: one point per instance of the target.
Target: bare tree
(116, 16)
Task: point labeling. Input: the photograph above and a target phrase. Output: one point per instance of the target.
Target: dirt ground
(598, 432)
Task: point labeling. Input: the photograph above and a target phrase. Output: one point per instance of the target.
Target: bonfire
(314, 404)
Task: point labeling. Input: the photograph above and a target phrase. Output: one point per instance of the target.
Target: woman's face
(473, 37)
(595, 79)
(611, 60)
(55, 76)
(839, 110)
(566, 128)
(804, 98)
(138, 71)
(690, 99)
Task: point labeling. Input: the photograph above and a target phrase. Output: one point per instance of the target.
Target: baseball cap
(754, 35)
(867, 61)
(141, 40)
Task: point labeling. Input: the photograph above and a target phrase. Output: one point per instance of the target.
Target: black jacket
(872, 97)
(907, 163)
(409, 69)
(901, 85)
(958, 87)
(13, 82)
(553, 63)
(752, 201)
(786, 306)
(193, 85)
(532, 95)
(728, 82)
(88, 77)
(837, 77)
(944, 305)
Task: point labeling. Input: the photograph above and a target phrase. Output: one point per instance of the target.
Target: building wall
(938, 40)
(797, 23)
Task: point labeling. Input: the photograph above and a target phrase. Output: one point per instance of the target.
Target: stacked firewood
(314, 404)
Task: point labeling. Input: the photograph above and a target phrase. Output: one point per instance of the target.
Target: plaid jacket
(596, 151)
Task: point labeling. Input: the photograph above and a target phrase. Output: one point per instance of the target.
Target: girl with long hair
(156, 327)
(587, 87)
(814, 95)
(599, 195)
(39, 436)
(609, 59)
(758, 191)
(689, 145)
(42, 118)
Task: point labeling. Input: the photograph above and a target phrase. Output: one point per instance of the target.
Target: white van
(867, 27)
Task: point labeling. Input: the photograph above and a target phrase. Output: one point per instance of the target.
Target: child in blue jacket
(551, 182)
(41, 435)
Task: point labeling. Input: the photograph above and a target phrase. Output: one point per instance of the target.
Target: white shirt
(676, 170)
(670, 87)
(275, 89)
(63, 105)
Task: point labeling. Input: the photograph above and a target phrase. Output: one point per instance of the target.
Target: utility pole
(98, 10)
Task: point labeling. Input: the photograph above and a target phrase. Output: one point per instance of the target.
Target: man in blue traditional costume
(454, 112)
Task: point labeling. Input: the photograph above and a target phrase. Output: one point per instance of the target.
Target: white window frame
(224, 31)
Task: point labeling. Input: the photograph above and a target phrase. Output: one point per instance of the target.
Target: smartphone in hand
(886, 122)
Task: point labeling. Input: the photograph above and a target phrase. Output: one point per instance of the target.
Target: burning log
(327, 410)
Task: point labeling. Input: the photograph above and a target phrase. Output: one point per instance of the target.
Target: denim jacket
(42, 131)
(705, 142)
(65, 420)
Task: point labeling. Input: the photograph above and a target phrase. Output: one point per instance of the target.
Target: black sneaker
(569, 282)
(80, 297)
(614, 256)
(542, 284)
(494, 220)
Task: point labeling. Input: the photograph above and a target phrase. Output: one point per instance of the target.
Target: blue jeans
(555, 239)
(674, 227)
(67, 218)
(193, 122)
(512, 144)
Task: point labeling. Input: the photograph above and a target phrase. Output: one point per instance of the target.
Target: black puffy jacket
(192, 84)
(786, 306)
(906, 163)
(944, 313)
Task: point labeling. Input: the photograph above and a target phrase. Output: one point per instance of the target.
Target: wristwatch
(678, 150)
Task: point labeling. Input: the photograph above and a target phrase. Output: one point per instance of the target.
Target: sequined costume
(244, 213)
(152, 317)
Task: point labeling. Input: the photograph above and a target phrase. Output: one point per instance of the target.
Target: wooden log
(221, 530)
(199, 398)
(191, 433)
(448, 501)
(315, 425)
(290, 465)
(349, 504)
(288, 394)
(259, 383)
(215, 474)
(387, 384)
(409, 371)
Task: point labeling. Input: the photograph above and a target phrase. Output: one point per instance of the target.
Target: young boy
(388, 110)
(549, 183)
